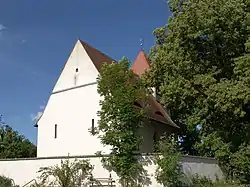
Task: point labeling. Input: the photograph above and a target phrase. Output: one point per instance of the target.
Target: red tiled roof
(140, 64)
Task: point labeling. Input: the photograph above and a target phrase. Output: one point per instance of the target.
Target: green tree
(13, 145)
(68, 174)
(200, 67)
(120, 119)
(241, 164)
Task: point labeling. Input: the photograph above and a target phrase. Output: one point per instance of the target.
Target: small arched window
(158, 113)
(137, 104)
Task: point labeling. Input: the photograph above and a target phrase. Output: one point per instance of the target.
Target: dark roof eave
(172, 124)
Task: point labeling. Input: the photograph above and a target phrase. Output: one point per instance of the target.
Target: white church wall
(25, 170)
(72, 111)
(78, 70)
(72, 105)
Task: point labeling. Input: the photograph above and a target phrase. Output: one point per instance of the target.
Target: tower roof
(141, 63)
(156, 110)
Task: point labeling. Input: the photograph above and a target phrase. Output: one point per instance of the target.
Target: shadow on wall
(191, 165)
(207, 167)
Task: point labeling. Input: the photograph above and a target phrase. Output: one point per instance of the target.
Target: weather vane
(1, 120)
(141, 43)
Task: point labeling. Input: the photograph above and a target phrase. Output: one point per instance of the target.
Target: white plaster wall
(23, 171)
(87, 73)
(73, 112)
(72, 107)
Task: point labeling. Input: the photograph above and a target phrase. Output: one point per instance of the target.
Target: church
(71, 110)
(65, 127)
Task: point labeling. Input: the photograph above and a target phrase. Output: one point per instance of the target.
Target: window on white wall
(92, 129)
(55, 131)
(93, 126)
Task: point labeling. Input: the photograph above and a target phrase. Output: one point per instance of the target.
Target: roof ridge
(98, 50)
(96, 56)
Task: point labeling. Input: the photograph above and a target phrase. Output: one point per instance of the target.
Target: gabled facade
(71, 111)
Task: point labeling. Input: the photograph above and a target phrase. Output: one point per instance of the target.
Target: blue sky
(36, 38)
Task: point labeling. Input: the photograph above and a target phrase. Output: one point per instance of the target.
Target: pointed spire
(141, 63)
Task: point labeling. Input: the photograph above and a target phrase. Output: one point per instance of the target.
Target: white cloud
(23, 41)
(2, 27)
(42, 107)
(35, 117)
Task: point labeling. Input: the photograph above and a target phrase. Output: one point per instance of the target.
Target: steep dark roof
(97, 57)
(158, 113)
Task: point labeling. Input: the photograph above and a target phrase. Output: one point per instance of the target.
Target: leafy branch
(120, 120)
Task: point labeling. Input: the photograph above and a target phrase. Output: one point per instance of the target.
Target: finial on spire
(1, 120)
(141, 43)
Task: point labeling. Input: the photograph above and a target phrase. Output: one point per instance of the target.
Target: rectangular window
(93, 126)
(55, 131)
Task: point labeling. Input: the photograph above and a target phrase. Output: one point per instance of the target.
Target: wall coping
(183, 158)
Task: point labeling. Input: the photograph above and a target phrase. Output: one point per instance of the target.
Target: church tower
(141, 65)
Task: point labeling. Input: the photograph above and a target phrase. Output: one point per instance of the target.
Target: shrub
(6, 182)
(68, 174)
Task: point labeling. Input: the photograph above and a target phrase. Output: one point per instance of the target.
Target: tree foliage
(6, 182)
(120, 120)
(200, 66)
(68, 174)
(169, 171)
(240, 163)
(13, 145)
